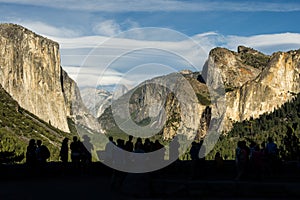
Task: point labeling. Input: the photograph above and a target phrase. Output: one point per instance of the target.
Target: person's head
(130, 137)
(243, 143)
(139, 140)
(120, 143)
(75, 138)
(39, 142)
(240, 144)
(138, 146)
(65, 140)
(31, 142)
(270, 139)
(218, 154)
(111, 138)
(147, 141)
(252, 144)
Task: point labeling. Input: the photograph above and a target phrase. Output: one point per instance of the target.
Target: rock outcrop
(167, 104)
(278, 83)
(234, 86)
(30, 72)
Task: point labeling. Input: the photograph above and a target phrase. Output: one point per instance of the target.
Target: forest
(282, 125)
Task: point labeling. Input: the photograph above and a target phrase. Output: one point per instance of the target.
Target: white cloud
(162, 5)
(107, 28)
(45, 29)
(91, 77)
(112, 57)
(163, 52)
(262, 41)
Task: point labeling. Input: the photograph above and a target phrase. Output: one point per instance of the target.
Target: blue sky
(80, 25)
(233, 17)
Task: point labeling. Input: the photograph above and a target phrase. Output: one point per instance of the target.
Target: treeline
(18, 126)
(283, 125)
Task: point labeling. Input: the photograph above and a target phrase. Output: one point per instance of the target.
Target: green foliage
(18, 126)
(204, 100)
(283, 125)
(257, 60)
(10, 157)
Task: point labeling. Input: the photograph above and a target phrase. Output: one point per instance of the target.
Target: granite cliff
(233, 86)
(278, 82)
(31, 73)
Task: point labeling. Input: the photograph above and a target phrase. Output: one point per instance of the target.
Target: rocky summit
(232, 87)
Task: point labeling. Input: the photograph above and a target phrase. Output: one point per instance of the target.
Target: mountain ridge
(241, 75)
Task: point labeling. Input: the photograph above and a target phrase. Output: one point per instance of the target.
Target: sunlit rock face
(233, 86)
(31, 73)
(255, 83)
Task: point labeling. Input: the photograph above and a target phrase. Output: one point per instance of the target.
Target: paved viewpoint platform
(174, 182)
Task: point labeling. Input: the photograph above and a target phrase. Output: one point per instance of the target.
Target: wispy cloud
(107, 28)
(267, 41)
(109, 60)
(163, 5)
(46, 29)
(103, 55)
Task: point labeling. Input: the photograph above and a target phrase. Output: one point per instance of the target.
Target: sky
(125, 42)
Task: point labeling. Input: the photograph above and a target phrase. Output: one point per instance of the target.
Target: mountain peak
(244, 49)
(17, 32)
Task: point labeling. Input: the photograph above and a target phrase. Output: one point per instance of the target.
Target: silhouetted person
(272, 155)
(147, 145)
(64, 151)
(120, 143)
(129, 144)
(42, 152)
(108, 156)
(111, 139)
(174, 149)
(139, 148)
(252, 150)
(194, 153)
(139, 143)
(118, 160)
(240, 159)
(247, 150)
(75, 151)
(271, 148)
(257, 160)
(31, 159)
(158, 146)
(87, 149)
(252, 146)
(291, 144)
(118, 154)
(219, 162)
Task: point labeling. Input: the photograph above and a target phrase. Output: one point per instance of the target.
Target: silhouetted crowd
(37, 153)
(138, 147)
(258, 160)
